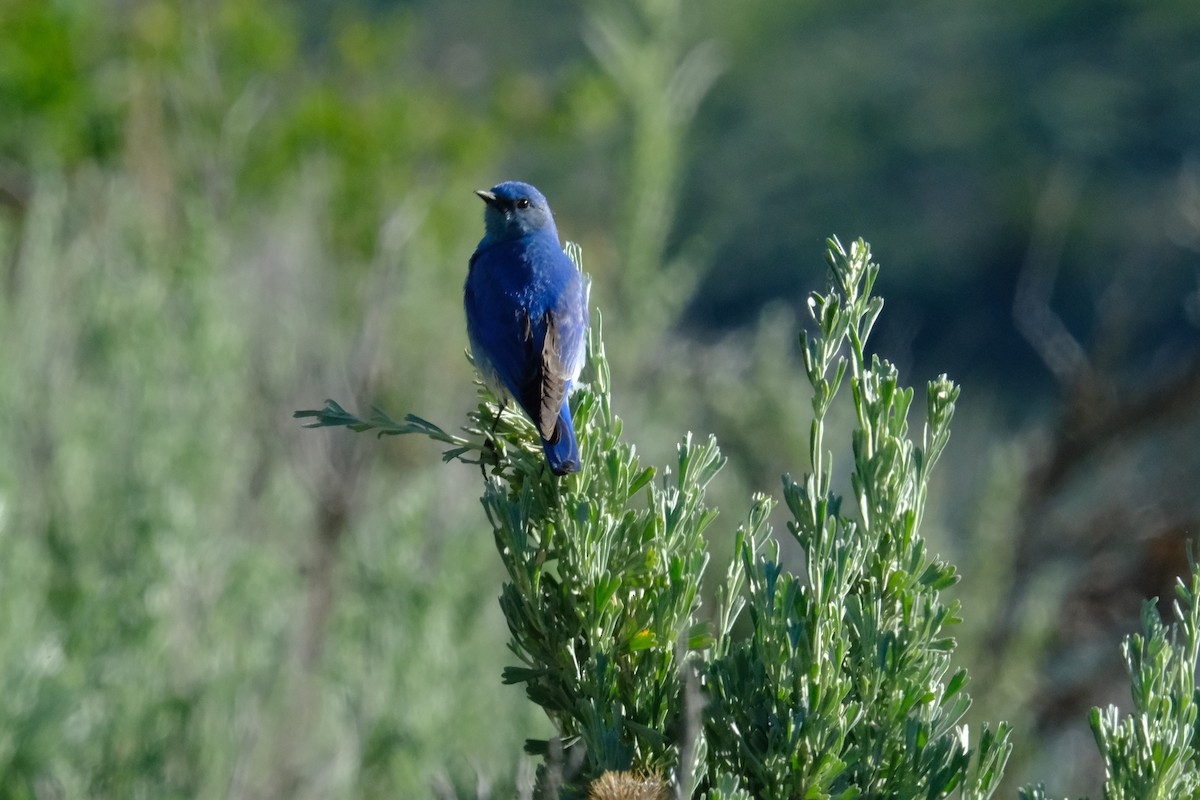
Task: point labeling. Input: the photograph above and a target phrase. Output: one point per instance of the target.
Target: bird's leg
(496, 419)
(491, 440)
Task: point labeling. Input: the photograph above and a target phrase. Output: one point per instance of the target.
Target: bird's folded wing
(554, 377)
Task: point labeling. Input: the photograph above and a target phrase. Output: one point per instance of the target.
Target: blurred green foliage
(53, 72)
(205, 220)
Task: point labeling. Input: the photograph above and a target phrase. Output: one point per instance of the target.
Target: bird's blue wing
(507, 341)
(571, 319)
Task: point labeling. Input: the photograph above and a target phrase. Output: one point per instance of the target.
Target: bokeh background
(215, 213)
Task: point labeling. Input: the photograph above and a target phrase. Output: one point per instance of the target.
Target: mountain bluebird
(527, 315)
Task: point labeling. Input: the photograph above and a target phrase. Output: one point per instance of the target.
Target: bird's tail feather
(562, 451)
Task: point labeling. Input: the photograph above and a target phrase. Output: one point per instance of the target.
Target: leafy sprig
(1155, 751)
(843, 689)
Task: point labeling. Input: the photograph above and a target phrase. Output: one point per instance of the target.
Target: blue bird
(527, 315)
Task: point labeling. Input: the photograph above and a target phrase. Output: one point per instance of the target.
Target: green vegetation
(839, 689)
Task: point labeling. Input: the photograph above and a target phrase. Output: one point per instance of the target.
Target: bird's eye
(523, 202)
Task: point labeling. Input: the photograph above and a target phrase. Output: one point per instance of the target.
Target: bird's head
(515, 209)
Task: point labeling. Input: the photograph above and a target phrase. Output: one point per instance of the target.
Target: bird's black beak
(486, 196)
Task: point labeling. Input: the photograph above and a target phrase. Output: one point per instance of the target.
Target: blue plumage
(527, 315)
